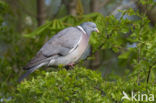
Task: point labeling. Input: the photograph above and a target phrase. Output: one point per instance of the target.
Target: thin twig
(149, 72)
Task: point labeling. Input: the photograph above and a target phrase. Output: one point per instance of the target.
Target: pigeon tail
(30, 71)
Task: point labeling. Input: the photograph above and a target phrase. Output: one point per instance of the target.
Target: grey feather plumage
(66, 47)
(60, 44)
(86, 53)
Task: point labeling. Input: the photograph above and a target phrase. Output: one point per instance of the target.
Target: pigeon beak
(96, 29)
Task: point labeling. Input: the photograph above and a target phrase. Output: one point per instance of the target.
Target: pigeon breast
(75, 54)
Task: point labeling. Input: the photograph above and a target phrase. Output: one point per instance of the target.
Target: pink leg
(71, 65)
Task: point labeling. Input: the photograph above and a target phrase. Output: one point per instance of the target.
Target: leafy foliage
(77, 86)
(133, 42)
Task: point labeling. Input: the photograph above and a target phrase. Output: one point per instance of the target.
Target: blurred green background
(125, 49)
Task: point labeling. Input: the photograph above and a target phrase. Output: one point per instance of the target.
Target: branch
(40, 12)
(149, 72)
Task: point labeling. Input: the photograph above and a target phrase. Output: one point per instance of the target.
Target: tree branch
(40, 12)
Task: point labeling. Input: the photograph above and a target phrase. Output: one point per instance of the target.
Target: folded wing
(61, 44)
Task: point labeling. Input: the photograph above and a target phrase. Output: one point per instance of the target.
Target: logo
(138, 96)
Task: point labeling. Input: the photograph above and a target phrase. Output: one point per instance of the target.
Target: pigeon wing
(62, 43)
(59, 45)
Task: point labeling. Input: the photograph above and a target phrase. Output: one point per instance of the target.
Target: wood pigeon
(64, 48)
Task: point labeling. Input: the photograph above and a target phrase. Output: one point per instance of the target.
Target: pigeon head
(89, 27)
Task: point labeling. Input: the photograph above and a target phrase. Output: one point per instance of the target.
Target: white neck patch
(81, 29)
